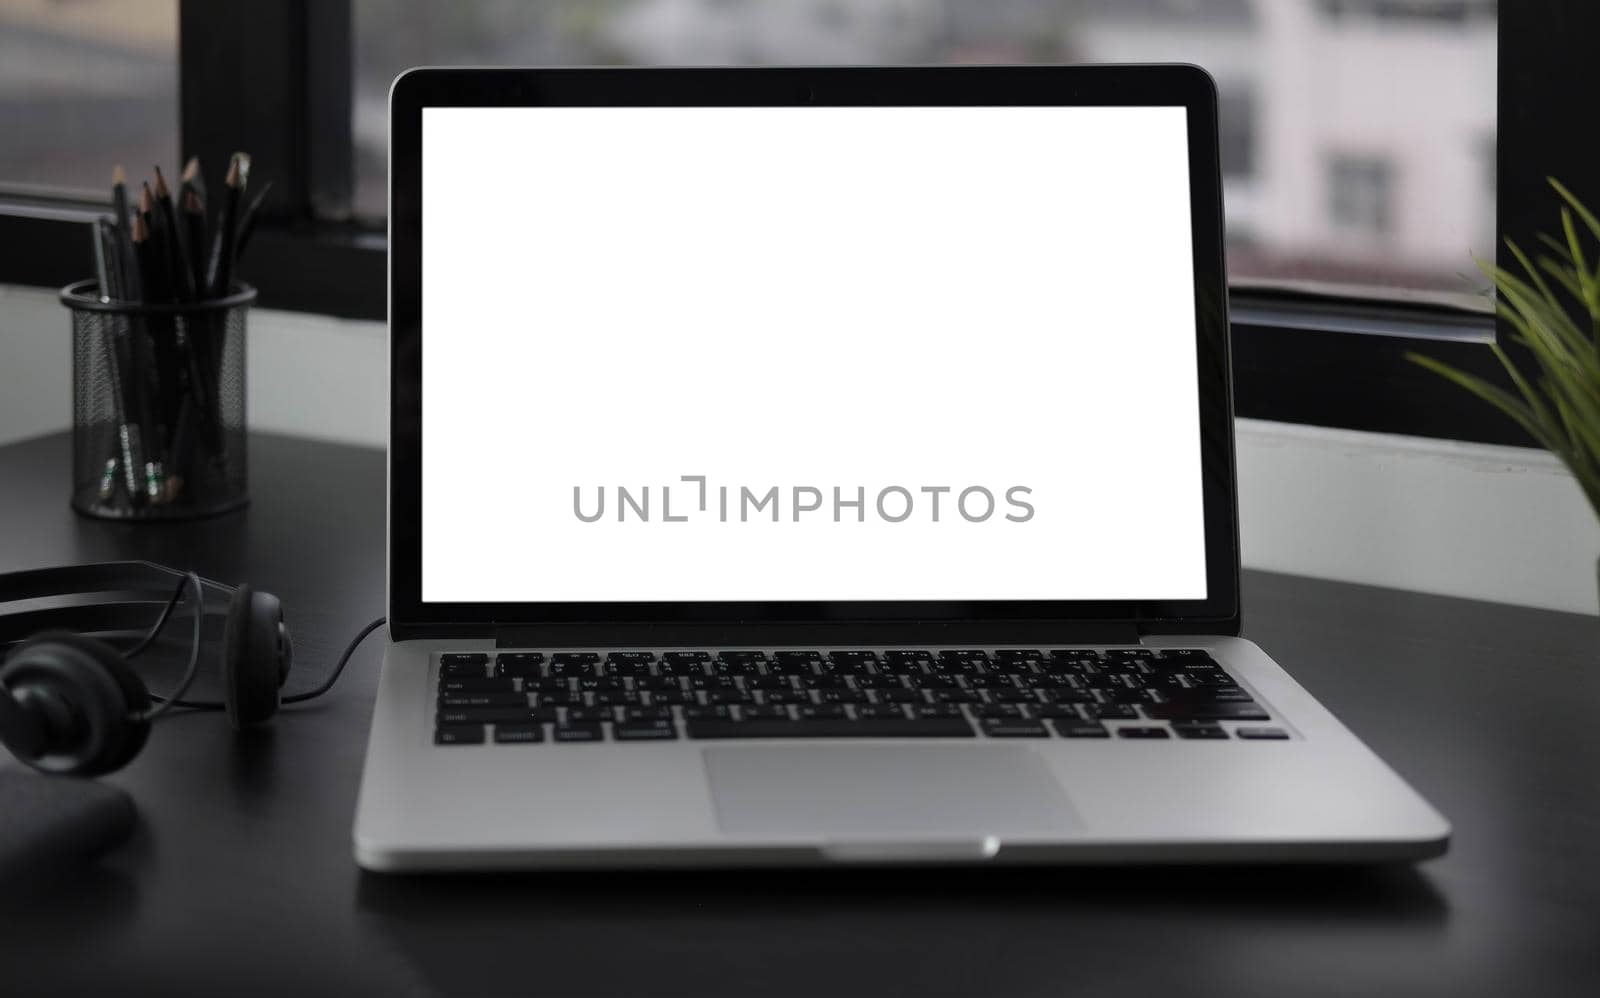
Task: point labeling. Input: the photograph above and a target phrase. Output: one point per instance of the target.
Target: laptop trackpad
(849, 792)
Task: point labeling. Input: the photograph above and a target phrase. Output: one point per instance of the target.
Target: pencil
(219, 273)
(183, 286)
(119, 196)
(193, 205)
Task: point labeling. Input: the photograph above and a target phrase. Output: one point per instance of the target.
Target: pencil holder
(158, 400)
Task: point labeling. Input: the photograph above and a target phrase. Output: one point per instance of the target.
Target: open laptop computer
(799, 466)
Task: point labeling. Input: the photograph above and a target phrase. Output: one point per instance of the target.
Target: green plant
(1558, 402)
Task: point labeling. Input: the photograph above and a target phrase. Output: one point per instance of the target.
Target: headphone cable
(190, 670)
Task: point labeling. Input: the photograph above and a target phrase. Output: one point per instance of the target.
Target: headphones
(70, 700)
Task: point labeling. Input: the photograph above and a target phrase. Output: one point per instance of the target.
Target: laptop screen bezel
(1121, 86)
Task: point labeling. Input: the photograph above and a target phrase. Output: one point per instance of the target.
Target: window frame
(1300, 355)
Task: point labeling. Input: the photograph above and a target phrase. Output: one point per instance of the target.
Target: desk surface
(241, 869)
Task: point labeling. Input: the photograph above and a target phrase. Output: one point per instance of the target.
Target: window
(83, 85)
(1326, 299)
(1410, 81)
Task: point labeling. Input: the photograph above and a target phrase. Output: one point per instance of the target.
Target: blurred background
(1358, 136)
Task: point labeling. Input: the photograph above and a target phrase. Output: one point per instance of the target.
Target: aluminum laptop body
(809, 466)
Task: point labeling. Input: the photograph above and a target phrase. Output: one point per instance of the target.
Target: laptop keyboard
(638, 696)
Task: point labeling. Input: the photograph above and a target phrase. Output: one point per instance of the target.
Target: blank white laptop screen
(813, 353)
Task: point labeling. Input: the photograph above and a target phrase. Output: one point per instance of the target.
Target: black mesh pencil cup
(158, 398)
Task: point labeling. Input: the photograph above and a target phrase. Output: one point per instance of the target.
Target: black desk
(241, 880)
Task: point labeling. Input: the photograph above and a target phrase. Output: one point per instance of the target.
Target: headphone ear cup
(96, 701)
(255, 656)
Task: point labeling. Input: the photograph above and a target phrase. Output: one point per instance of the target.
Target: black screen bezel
(1153, 85)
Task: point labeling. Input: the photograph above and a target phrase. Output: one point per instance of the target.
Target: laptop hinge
(790, 633)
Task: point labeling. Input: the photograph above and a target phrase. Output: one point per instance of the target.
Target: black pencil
(144, 410)
(219, 272)
(192, 203)
(183, 285)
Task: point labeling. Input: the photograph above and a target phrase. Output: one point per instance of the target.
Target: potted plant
(1553, 309)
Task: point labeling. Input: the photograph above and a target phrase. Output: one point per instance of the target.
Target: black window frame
(1300, 355)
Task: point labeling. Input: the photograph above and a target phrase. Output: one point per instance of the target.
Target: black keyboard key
(600, 684)
(711, 683)
(494, 715)
(647, 714)
(1206, 712)
(1142, 732)
(736, 667)
(700, 712)
(769, 683)
(653, 684)
(821, 712)
(850, 663)
(1013, 696)
(957, 696)
(627, 664)
(671, 698)
(477, 658)
(786, 696)
(1019, 655)
(1056, 711)
(580, 715)
(685, 656)
(958, 667)
(524, 664)
(567, 699)
(796, 657)
(685, 667)
(880, 681)
(935, 710)
(582, 731)
(644, 731)
(462, 670)
(841, 696)
(1115, 712)
(741, 656)
(1061, 694)
(823, 683)
(1123, 655)
(878, 712)
(763, 712)
(474, 685)
(801, 670)
(570, 664)
(997, 727)
(1186, 655)
(1202, 732)
(898, 696)
(997, 710)
(507, 734)
(458, 734)
(993, 681)
(483, 700)
(920, 728)
(547, 685)
(730, 696)
(1068, 728)
(616, 698)
(963, 655)
(1262, 734)
(907, 656)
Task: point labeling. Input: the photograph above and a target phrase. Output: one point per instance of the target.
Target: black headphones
(71, 703)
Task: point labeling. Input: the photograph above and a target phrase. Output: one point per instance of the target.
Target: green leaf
(1571, 199)
(1495, 396)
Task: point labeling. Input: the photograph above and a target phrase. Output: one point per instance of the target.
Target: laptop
(827, 466)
